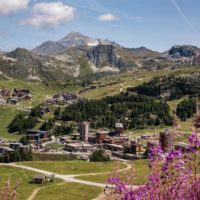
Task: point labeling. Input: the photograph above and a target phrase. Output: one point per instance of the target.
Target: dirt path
(34, 193)
(32, 196)
(67, 178)
(128, 166)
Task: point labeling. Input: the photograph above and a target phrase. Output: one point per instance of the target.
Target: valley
(109, 86)
(87, 109)
(99, 100)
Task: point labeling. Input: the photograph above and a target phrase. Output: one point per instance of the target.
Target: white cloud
(49, 15)
(107, 17)
(12, 6)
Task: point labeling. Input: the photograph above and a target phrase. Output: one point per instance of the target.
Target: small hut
(39, 178)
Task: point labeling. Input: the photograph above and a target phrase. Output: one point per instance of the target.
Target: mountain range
(73, 39)
(80, 56)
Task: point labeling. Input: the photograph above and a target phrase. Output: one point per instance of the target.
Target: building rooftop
(39, 176)
(35, 131)
(119, 125)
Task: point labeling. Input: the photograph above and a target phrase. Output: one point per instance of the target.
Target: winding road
(67, 178)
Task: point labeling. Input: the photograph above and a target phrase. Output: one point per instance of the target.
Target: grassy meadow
(68, 191)
(39, 91)
(7, 113)
(139, 174)
(131, 79)
(58, 190)
(72, 167)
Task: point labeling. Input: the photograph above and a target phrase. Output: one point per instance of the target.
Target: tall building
(175, 120)
(166, 141)
(84, 131)
(119, 129)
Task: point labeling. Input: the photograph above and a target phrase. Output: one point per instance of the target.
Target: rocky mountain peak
(73, 39)
(19, 52)
(76, 39)
(48, 48)
(179, 51)
(74, 34)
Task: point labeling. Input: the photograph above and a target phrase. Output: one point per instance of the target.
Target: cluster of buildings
(13, 96)
(92, 87)
(62, 98)
(10, 150)
(166, 142)
(120, 145)
(115, 143)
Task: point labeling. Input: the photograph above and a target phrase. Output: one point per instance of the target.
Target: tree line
(186, 109)
(134, 111)
(23, 121)
(170, 87)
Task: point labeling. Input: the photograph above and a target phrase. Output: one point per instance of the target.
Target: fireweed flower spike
(173, 176)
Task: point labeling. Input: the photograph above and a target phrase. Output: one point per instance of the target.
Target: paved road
(67, 178)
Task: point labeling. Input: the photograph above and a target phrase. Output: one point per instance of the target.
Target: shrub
(99, 156)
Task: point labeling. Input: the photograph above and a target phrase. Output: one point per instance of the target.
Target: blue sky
(156, 24)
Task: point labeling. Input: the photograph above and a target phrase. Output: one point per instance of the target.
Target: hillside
(115, 84)
(22, 64)
(170, 87)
